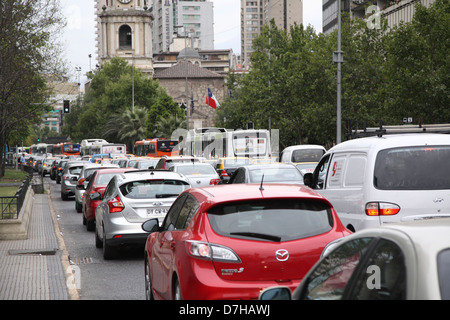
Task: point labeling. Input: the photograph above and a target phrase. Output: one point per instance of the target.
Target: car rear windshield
(75, 170)
(166, 188)
(413, 168)
(276, 175)
(196, 170)
(307, 155)
(272, 219)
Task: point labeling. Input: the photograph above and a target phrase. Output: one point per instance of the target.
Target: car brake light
(211, 251)
(224, 173)
(381, 209)
(214, 181)
(115, 205)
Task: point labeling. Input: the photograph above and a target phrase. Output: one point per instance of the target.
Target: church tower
(124, 29)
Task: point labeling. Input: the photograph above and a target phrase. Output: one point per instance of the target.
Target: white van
(392, 178)
(302, 153)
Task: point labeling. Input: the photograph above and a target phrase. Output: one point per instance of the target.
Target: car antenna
(261, 186)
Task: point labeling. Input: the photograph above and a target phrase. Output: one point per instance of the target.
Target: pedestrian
(22, 161)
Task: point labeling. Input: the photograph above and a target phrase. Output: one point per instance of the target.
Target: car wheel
(77, 206)
(148, 282)
(109, 252)
(90, 225)
(98, 241)
(177, 290)
(64, 196)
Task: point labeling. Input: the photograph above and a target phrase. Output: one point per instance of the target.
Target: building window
(125, 37)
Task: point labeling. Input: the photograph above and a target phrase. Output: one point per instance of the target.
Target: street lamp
(186, 91)
(132, 81)
(338, 59)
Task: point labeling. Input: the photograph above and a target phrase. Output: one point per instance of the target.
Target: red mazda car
(231, 242)
(94, 193)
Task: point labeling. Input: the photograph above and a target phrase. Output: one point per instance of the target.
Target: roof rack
(398, 129)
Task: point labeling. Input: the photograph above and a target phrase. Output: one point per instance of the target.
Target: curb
(73, 293)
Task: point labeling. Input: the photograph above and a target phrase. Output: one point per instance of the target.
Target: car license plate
(157, 211)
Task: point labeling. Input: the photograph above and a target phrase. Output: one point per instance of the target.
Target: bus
(41, 149)
(71, 149)
(157, 147)
(220, 142)
(88, 144)
(113, 149)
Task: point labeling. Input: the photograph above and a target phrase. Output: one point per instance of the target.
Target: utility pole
(338, 59)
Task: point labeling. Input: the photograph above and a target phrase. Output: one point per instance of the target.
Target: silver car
(401, 261)
(83, 180)
(129, 200)
(69, 178)
(199, 174)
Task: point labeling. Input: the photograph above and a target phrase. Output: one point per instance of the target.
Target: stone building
(187, 81)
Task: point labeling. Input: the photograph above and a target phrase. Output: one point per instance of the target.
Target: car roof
(392, 141)
(270, 166)
(304, 146)
(227, 193)
(428, 235)
(149, 175)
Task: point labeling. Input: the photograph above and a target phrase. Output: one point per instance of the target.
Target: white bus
(220, 142)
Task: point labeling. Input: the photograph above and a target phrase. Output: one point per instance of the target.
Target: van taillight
(381, 209)
(115, 205)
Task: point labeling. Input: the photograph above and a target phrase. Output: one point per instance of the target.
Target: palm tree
(165, 126)
(127, 127)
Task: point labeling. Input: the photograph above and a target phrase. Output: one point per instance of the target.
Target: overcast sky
(79, 35)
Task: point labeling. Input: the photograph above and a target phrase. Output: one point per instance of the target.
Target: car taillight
(115, 205)
(381, 209)
(224, 173)
(214, 181)
(211, 251)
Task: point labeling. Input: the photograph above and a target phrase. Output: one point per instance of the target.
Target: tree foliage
(106, 111)
(387, 74)
(30, 54)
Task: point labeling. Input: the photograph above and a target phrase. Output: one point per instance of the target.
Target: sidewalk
(34, 268)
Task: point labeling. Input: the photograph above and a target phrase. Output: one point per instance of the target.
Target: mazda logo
(282, 255)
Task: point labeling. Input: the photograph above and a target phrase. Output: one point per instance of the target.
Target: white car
(393, 178)
(199, 174)
(404, 261)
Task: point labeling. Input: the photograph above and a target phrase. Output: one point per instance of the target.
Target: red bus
(155, 147)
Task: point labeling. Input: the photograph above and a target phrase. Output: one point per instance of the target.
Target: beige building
(255, 13)
(124, 29)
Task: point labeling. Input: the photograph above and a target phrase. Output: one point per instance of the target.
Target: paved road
(122, 278)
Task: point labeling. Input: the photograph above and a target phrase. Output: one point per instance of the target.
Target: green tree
(29, 54)
(127, 127)
(418, 66)
(108, 102)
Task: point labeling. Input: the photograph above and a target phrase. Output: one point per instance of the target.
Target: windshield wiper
(166, 195)
(257, 235)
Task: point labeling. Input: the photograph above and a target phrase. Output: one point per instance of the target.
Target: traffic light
(66, 106)
(192, 105)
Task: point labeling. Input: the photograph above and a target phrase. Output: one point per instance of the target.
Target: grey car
(129, 200)
(397, 261)
(83, 179)
(267, 173)
(69, 178)
(199, 174)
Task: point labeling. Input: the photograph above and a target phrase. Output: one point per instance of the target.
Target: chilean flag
(211, 100)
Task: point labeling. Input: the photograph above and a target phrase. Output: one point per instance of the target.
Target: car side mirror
(308, 180)
(276, 293)
(151, 225)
